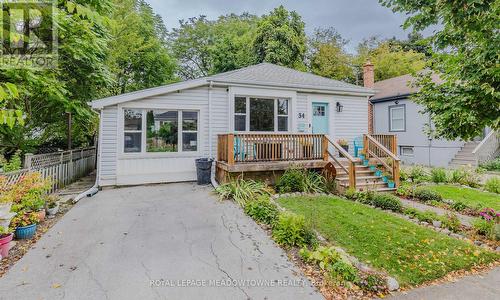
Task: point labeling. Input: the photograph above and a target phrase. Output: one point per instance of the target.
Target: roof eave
(391, 98)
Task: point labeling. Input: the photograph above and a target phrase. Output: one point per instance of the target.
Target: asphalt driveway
(174, 241)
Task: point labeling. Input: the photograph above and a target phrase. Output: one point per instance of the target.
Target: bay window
(166, 131)
(261, 114)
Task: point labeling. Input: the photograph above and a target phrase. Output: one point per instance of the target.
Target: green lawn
(411, 253)
(470, 197)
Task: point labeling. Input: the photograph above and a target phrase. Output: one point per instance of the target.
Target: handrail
(487, 147)
(351, 172)
(383, 148)
(340, 149)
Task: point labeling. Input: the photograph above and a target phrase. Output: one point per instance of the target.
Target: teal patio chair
(240, 151)
(358, 145)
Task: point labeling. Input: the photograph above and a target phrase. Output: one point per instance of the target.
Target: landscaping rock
(457, 236)
(485, 246)
(497, 249)
(477, 243)
(392, 284)
(436, 224)
(446, 231)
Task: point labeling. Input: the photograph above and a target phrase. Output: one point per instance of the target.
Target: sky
(353, 19)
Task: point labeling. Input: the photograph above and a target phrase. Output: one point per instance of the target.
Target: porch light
(340, 107)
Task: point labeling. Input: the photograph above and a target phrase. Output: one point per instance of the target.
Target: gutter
(391, 98)
(210, 143)
(95, 188)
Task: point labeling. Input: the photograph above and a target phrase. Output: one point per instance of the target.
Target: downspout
(95, 188)
(210, 143)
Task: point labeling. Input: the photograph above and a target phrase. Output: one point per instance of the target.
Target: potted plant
(33, 202)
(373, 168)
(362, 154)
(390, 182)
(25, 225)
(366, 162)
(344, 144)
(52, 206)
(385, 176)
(378, 172)
(5, 238)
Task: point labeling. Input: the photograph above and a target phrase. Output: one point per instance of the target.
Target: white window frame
(391, 119)
(125, 131)
(247, 113)
(144, 133)
(401, 150)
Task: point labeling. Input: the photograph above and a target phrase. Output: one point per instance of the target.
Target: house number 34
(302, 115)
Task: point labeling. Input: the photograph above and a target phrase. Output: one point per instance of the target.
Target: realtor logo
(28, 35)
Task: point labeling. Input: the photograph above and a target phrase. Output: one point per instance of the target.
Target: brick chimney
(369, 82)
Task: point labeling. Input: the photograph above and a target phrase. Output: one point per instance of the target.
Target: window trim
(144, 153)
(247, 113)
(125, 131)
(407, 155)
(390, 109)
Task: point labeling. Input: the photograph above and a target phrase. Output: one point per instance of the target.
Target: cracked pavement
(113, 245)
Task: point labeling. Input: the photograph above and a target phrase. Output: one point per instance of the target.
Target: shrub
(452, 222)
(405, 189)
(242, 190)
(300, 180)
(262, 210)
(372, 282)
(465, 176)
(14, 163)
(328, 259)
(493, 165)
(291, 181)
(426, 216)
(424, 194)
(484, 227)
(417, 174)
(493, 185)
(291, 230)
(388, 201)
(351, 193)
(404, 175)
(458, 176)
(438, 175)
(459, 206)
(31, 187)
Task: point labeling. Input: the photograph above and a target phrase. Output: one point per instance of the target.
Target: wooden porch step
(359, 178)
(364, 185)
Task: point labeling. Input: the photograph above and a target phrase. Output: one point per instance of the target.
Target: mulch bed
(23, 246)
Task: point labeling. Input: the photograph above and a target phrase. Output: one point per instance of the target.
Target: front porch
(267, 156)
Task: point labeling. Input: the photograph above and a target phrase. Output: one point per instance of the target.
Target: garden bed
(411, 253)
(469, 196)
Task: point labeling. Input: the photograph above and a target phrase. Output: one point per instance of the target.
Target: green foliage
(425, 216)
(24, 219)
(425, 194)
(372, 282)
(452, 222)
(493, 185)
(4, 231)
(458, 176)
(405, 189)
(242, 190)
(9, 114)
(14, 163)
(281, 39)
(439, 175)
(459, 206)
(467, 197)
(417, 174)
(292, 230)
(262, 210)
(300, 180)
(387, 201)
(465, 53)
(493, 165)
(484, 227)
(329, 260)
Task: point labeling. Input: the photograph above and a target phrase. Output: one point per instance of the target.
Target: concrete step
(463, 161)
(460, 156)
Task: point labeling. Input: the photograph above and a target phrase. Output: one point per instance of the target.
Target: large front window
(261, 114)
(166, 131)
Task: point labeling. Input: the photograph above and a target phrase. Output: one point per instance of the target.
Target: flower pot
(53, 211)
(5, 245)
(366, 162)
(362, 156)
(385, 179)
(41, 215)
(378, 173)
(5, 208)
(373, 168)
(391, 184)
(26, 232)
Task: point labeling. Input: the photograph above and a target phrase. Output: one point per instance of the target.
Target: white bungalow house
(155, 135)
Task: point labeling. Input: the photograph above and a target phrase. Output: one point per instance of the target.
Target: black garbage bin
(203, 170)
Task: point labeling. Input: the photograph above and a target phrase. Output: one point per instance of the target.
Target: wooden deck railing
(388, 158)
(250, 147)
(388, 141)
(351, 169)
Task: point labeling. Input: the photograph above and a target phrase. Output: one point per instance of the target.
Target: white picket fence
(62, 168)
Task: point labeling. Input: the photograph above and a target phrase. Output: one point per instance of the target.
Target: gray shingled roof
(274, 75)
(398, 86)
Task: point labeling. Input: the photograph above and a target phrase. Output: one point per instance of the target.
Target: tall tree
(281, 39)
(204, 47)
(138, 56)
(327, 56)
(390, 60)
(466, 57)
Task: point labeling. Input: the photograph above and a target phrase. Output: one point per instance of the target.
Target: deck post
(324, 146)
(394, 147)
(352, 175)
(230, 149)
(395, 172)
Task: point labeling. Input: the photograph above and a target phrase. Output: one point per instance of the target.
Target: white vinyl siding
(108, 144)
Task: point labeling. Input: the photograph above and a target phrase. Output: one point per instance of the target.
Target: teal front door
(320, 118)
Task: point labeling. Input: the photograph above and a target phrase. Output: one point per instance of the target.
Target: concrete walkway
(172, 241)
(477, 287)
(465, 220)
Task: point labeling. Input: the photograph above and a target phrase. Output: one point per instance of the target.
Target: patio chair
(358, 145)
(240, 151)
